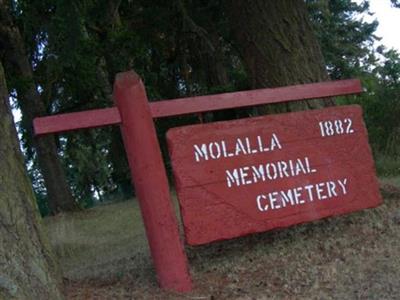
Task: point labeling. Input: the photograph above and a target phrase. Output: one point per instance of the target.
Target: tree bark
(203, 49)
(58, 191)
(212, 60)
(27, 266)
(277, 44)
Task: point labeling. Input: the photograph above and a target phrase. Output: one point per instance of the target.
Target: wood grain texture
(339, 178)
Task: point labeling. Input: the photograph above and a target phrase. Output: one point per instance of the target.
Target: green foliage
(346, 39)
(387, 165)
(384, 105)
(180, 48)
(39, 189)
(381, 105)
(88, 169)
(348, 44)
(41, 200)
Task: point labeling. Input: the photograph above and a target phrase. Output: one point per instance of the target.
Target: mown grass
(96, 241)
(387, 166)
(104, 254)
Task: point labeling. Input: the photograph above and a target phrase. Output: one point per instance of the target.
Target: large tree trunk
(58, 192)
(202, 48)
(277, 44)
(27, 267)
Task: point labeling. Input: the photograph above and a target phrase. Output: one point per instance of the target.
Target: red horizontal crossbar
(175, 107)
(77, 120)
(166, 108)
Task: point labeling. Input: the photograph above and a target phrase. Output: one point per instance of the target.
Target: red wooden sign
(239, 145)
(251, 175)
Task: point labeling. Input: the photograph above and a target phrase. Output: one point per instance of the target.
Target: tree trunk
(277, 44)
(27, 267)
(58, 192)
(212, 60)
(202, 48)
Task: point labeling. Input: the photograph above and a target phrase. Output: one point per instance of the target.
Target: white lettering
(272, 199)
(302, 194)
(258, 173)
(331, 187)
(343, 185)
(239, 147)
(275, 142)
(319, 188)
(232, 178)
(297, 195)
(200, 152)
(260, 145)
(287, 197)
(259, 205)
(215, 150)
(309, 190)
(282, 167)
(274, 173)
(243, 175)
(268, 171)
(309, 170)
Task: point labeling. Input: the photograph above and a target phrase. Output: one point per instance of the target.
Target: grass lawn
(104, 255)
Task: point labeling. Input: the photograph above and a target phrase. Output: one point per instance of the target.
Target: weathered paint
(175, 107)
(135, 115)
(251, 175)
(78, 120)
(151, 183)
(200, 104)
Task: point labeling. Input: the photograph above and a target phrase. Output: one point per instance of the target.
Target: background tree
(277, 44)
(27, 266)
(32, 105)
(346, 40)
(180, 48)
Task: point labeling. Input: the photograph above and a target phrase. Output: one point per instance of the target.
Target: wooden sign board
(277, 161)
(239, 177)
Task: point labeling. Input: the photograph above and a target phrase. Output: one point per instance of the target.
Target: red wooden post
(151, 183)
